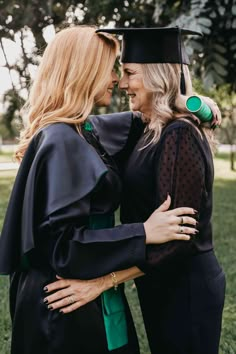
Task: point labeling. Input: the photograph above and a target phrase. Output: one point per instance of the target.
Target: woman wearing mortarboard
(60, 215)
(182, 293)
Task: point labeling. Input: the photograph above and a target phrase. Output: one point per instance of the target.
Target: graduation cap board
(153, 45)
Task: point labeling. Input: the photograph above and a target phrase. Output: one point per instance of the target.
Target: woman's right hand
(167, 225)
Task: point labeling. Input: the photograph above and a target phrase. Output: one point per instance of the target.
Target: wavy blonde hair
(75, 69)
(163, 80)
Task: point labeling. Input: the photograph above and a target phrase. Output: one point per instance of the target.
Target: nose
(123, 84)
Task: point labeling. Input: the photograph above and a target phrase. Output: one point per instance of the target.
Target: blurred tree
(215, 52)
(11, 117)
(226, 99)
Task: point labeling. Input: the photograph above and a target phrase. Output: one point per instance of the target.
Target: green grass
(6, 181)
(225, 246)
(224, 222)
(6, 157)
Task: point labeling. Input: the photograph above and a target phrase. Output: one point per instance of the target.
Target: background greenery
(224, 233)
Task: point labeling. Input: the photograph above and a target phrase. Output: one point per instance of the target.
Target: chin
(133, 107)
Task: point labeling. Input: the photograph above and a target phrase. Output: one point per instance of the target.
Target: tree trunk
(232, 158)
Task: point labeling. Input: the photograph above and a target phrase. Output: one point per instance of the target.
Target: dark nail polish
(45, 289)
(45, 301)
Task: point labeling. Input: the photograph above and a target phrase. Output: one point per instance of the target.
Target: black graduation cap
(153, 45)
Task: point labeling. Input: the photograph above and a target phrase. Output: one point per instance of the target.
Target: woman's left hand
(217, 119)
(70, 294)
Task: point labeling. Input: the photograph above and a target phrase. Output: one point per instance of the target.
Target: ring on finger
(181, 220)
(181, 229)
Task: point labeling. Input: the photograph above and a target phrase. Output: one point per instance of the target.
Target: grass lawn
(6, 157)
(225, 247)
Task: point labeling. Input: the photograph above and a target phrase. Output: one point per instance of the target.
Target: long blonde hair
(163, 80)
(75, 68)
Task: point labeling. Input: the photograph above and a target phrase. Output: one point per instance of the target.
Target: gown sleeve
(76, 251)
(180, 172)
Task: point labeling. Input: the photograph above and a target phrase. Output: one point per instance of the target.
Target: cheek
(148, 98)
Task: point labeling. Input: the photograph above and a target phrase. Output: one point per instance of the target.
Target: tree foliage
(214, 54)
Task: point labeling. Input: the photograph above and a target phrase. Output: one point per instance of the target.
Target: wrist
(146, 227)
(107, 282)
(114, 280)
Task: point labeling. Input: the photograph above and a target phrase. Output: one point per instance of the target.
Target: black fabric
(182, 306)
(62, 171)
(182, 293)
(180, 164)
(118, 134)
(47, 181)
(152, 45)
(61, 183)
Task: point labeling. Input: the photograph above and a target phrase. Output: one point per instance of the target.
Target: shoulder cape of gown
(117, 131)
(61, 147)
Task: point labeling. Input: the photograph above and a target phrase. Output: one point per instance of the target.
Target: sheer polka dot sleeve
(180, 168)
(180, 172)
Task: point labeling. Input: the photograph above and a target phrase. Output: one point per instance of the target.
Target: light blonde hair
(75, 69)
(163, 80)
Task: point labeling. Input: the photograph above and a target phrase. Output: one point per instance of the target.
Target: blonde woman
(60, 215)
(182, 293)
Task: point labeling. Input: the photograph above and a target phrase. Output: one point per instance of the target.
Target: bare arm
(83, 291)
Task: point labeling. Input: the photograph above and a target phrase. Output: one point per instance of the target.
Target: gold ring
(181, 220)
(181, 229)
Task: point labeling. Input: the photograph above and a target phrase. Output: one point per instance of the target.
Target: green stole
(113, 307)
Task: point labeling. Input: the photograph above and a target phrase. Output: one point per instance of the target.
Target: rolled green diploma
(200, 109)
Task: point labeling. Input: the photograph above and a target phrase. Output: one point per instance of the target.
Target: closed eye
(127, 72)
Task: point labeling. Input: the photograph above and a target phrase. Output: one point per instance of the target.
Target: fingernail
(45, 301)
(196, 231)
(45, 289)
(50, 307)
(195, 211)
(61, 312)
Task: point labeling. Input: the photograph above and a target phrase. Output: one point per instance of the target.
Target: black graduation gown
(182, 295)
(61, 183)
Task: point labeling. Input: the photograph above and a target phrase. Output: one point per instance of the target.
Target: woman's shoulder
(58, 132)
(59, 137)
(183, 123)
(182, 126)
